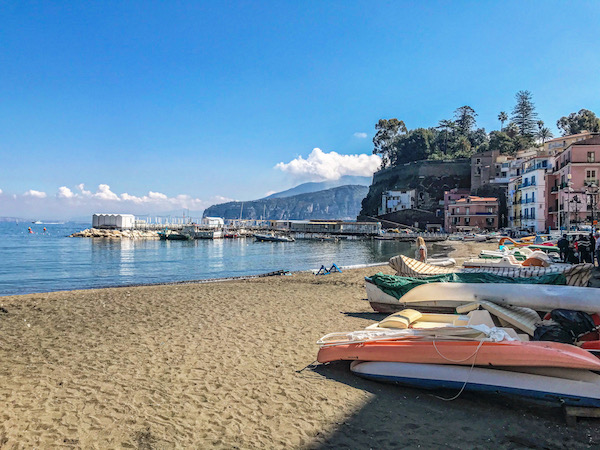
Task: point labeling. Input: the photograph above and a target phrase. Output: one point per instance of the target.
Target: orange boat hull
(505, 353)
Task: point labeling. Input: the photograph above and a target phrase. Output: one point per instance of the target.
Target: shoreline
(228, 364)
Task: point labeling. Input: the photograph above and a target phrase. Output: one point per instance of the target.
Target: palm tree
(502, 117)
(544, 134)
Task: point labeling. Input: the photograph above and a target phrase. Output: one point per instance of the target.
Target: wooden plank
(573, 412)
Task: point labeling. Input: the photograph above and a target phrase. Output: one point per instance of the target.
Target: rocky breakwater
(116, 234)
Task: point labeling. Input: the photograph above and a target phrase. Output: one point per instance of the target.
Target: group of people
(585, 248)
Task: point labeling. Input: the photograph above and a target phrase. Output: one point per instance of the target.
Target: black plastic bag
(554, 333)
(577, 322)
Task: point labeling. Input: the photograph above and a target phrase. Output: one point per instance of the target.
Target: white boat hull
(385, 303)
(573, 387)
(540, 297)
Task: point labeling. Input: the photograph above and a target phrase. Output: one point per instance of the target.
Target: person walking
(598, 248)
(563, 247)
(421, 252)
(584, 247)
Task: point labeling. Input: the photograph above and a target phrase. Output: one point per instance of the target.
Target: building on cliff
(427, 179)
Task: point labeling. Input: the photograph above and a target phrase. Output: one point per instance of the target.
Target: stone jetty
(116, 234)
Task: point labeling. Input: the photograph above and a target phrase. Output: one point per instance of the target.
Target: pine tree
(524, 115)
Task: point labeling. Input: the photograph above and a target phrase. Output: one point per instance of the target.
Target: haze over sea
(51, 261)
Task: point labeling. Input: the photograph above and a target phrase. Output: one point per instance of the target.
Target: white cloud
(0, 191)
(35, 194)
(77, 201)
(81, 188)
(360, 135)
(104, 193)
(65, 192)
(321, 166)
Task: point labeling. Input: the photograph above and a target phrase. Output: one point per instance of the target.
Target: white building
(113, 221)
(392, 201)
(213, 222)
(533, 193)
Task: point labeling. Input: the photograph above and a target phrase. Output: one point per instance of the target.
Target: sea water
(50, 261)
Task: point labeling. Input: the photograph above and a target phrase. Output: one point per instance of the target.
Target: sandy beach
(228, 365)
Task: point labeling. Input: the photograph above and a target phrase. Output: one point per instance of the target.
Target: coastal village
(178, 270)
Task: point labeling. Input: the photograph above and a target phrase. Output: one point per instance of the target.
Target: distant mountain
(341, 202)
(305, 188)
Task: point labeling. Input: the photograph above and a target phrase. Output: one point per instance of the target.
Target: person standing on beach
(421, 252)
(584, 247)
(563, 247)
(598, 248)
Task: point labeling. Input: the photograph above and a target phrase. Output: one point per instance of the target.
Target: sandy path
(217, 365)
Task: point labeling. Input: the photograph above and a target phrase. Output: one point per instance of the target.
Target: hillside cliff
(429, 178)
(338, 203)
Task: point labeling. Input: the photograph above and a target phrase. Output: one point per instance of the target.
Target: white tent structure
(113, 221)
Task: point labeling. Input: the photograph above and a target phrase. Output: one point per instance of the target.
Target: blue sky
(190, 103)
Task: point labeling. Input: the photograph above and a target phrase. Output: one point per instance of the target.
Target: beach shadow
(394, 416)
(378, 317)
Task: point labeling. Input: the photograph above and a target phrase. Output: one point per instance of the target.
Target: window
(533, 180)
(457, 210)
(544, 163)
(533, 197)
(478, 161)
(591, 156)
(590, 173)
(467, 220)
(490, 209)
(467, 211)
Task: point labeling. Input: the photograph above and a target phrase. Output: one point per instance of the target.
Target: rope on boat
(474, 356)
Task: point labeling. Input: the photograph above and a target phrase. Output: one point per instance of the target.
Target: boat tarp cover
(397, 286)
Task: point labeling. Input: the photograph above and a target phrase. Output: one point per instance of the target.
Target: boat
(273, 238)
(540, 297)
(441, 262)
(576, 274)
(536, 258)
(572, 387)
(464, 352)
(520, 254)
(195, 231)
(389, 293)
(173, 236)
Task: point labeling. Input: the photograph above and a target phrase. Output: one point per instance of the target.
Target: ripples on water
(43, 262)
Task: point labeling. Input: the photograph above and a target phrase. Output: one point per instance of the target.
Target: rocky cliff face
(429, 178)
(338, 203)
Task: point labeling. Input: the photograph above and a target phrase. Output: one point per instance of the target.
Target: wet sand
(226, 365)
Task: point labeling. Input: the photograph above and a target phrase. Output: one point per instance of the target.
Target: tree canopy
(575, 123)
(459, 136)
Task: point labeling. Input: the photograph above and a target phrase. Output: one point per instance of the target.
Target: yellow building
(559, 144)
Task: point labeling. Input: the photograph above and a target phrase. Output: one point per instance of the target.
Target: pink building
(450, 197)
(472, 213)
(573, 187)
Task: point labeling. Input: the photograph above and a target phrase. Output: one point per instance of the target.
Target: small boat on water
(572, 387)
(273, 238)
(171, 235)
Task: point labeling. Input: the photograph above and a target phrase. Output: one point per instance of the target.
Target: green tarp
(398, 286)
